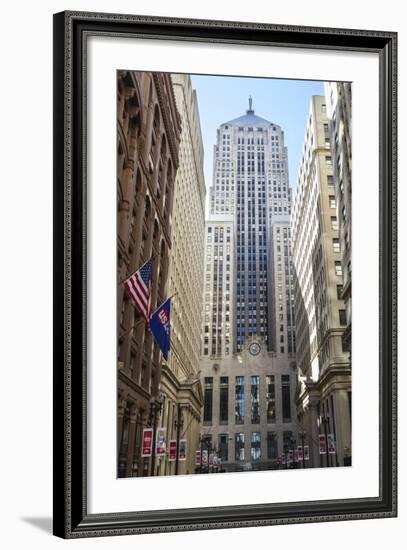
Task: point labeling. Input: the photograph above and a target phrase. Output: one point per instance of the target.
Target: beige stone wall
(324, 365)
(218, 303)
(246, 365)
(180, 384)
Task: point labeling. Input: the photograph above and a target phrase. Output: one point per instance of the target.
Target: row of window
(239, 399)
(255, 445)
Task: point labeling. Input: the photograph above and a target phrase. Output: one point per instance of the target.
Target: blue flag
(160, 327)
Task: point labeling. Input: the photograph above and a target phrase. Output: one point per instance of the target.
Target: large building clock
(254, 348)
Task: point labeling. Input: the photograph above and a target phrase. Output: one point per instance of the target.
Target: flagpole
(166, 300)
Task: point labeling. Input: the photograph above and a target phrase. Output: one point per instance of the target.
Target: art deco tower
(250, 183)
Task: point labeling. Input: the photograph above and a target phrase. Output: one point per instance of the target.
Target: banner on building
(160, 327)
(160, 445)
(182, 454)
(299, 453)
(306, 452)
(204, 457)
(172, 455)
(291, 455)
(147, 445)
(322, 444)
(331, 444)
(198, 457)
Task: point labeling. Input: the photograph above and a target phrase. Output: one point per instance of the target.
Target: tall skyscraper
(324, 393)
(250, 183)
(248, 346)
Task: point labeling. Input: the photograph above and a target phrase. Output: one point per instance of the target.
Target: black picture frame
(71, 30)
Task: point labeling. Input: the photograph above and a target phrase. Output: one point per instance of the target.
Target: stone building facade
(180, 384)
(248, 361)
(148, 137)
(218, 288)
(339, 110)
(324, 371)
(249, 417)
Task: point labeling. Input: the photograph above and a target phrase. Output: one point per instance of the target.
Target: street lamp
(156, 404)
(179, 423)
(302, 435)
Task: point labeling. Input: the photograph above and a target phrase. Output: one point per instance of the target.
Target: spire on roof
(250, 111)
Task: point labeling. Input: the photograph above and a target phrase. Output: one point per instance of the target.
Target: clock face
(254, 348)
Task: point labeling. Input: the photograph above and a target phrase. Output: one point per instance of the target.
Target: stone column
(132, 435)
(120, 418)
(313, 431)
(342, 425)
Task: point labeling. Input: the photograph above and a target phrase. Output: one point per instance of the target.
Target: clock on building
(254, 348)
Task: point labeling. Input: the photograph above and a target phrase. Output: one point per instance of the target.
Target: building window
(342, 317)
(270, 399)
(334, 223)
(339, 289)
(330, 180)
(336, 245)
(286, 398)
(223, 447)
(338, 269)
(208, 398)
(223, 399)
(239, 400)
(255, 449)
(332, 201)
(239, 446)
(254, 399)
(272, 447)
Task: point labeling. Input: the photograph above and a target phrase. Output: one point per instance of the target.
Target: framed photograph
(224, 274)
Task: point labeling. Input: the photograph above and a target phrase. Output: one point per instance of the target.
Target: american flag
(138, 287)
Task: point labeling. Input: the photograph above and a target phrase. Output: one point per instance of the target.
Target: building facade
(324, 371)
(249, 417)
(250, 183)
(246, 356)
(281, 288)
(218, 291)
(148, 135)
(180, 385)
(339, 110)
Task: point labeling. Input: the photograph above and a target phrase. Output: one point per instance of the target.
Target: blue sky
(284, 102)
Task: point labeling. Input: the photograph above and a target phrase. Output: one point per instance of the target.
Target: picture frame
(71, 33)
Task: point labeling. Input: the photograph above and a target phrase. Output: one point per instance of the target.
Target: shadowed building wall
(148, 134)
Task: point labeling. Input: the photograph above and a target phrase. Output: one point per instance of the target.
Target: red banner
(306, 452)
(322, 445)
(147, 446)
(172, 451)
(291, 455)
(198, 457)
(299, 452)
